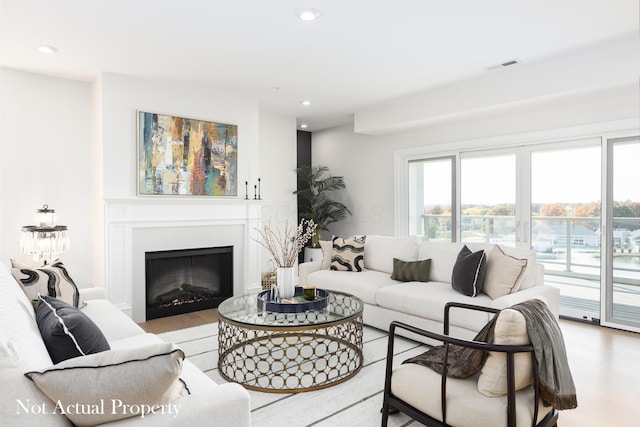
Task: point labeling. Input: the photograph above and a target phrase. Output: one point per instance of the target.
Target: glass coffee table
(289, 352)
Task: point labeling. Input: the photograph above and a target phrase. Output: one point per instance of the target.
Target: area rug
(355, 402)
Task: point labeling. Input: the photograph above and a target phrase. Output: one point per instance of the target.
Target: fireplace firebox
(187, 280)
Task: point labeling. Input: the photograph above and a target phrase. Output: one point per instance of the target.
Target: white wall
(72, 144)
(46, 144)
(276, 170)
(366, 162)
(123, 95)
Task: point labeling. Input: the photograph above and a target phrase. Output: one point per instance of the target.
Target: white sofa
(22, 350)
(422, 303)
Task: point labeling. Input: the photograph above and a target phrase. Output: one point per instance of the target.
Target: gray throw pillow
(66, 331)
(411, 271)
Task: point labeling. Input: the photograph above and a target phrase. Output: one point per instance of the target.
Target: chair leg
(385, 414)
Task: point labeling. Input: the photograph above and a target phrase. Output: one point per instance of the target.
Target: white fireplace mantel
(135, 226)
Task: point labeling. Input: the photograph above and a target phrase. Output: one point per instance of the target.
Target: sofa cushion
(411, 271)
(504, 274)
(66, 331)
(348, 254)
(112, 321)
(510, 329)
(381, 250)
(327, 248)
(21, 350)
(468, 272)
(420, 387)
(363, 285)
(148, 376)
(427, 300)
(443, 258)
(51, 279)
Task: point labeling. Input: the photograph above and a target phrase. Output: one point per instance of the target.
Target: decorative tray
(295, 304)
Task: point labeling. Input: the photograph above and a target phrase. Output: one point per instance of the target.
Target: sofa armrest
(305, 269)
(552, 294)
(92, 293)
(225, 405)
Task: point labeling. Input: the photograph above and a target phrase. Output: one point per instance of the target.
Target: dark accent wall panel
(303, 159)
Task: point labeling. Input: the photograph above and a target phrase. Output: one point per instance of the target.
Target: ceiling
(358, 53)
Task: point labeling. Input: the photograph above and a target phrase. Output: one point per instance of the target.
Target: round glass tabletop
(246, 310)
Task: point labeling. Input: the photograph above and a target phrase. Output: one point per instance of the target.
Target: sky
(558, 176)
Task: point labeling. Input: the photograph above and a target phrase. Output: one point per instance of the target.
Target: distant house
(634, 240)
(546, 237)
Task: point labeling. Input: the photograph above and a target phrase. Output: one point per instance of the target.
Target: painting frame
(185, 157)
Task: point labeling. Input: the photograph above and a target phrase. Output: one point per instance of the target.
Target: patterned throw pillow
(66, 331)
(348, 254)
(411, 271)
(468, 272)
(52, 280)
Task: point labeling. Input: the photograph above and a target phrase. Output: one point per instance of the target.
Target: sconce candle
(255, 192)
(246, 190)
(259, 197)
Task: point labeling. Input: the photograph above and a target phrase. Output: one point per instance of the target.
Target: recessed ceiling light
(308, 14)
(45, 48)
(303, 126)
(305, 102)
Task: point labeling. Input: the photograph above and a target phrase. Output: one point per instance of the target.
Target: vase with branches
(284, 246)
(315, 201)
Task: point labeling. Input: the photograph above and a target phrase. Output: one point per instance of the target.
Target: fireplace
(186, 280)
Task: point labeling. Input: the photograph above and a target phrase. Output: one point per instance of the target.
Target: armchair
(437, 400)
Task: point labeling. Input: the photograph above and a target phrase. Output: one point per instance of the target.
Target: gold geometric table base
(290, 359)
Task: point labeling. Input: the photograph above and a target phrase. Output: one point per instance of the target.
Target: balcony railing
(568, 246)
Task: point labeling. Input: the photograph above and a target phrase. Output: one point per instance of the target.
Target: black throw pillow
(468, 272)
(66, 331)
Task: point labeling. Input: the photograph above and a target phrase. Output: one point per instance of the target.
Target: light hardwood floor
(605, 364)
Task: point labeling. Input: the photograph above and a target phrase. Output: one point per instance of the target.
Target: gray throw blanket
(556, 383)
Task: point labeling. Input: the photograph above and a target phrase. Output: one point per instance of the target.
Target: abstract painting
(178, 156)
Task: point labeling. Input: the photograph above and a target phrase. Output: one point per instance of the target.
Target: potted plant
(314, 198)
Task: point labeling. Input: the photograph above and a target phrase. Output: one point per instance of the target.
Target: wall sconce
(44, 240)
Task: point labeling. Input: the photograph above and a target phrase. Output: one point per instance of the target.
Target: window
(431, 199)
(567, 201)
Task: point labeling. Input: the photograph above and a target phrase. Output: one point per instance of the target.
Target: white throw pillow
(504, 274)
(138, 376)
(510, 329)
(327, 247)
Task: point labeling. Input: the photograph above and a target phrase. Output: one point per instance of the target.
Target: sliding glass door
(575, 203)
(621, 282)
(565, 222)
(432, 199)
(488, 184)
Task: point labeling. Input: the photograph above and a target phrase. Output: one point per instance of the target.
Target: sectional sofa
(511, 275)
(36, 391)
